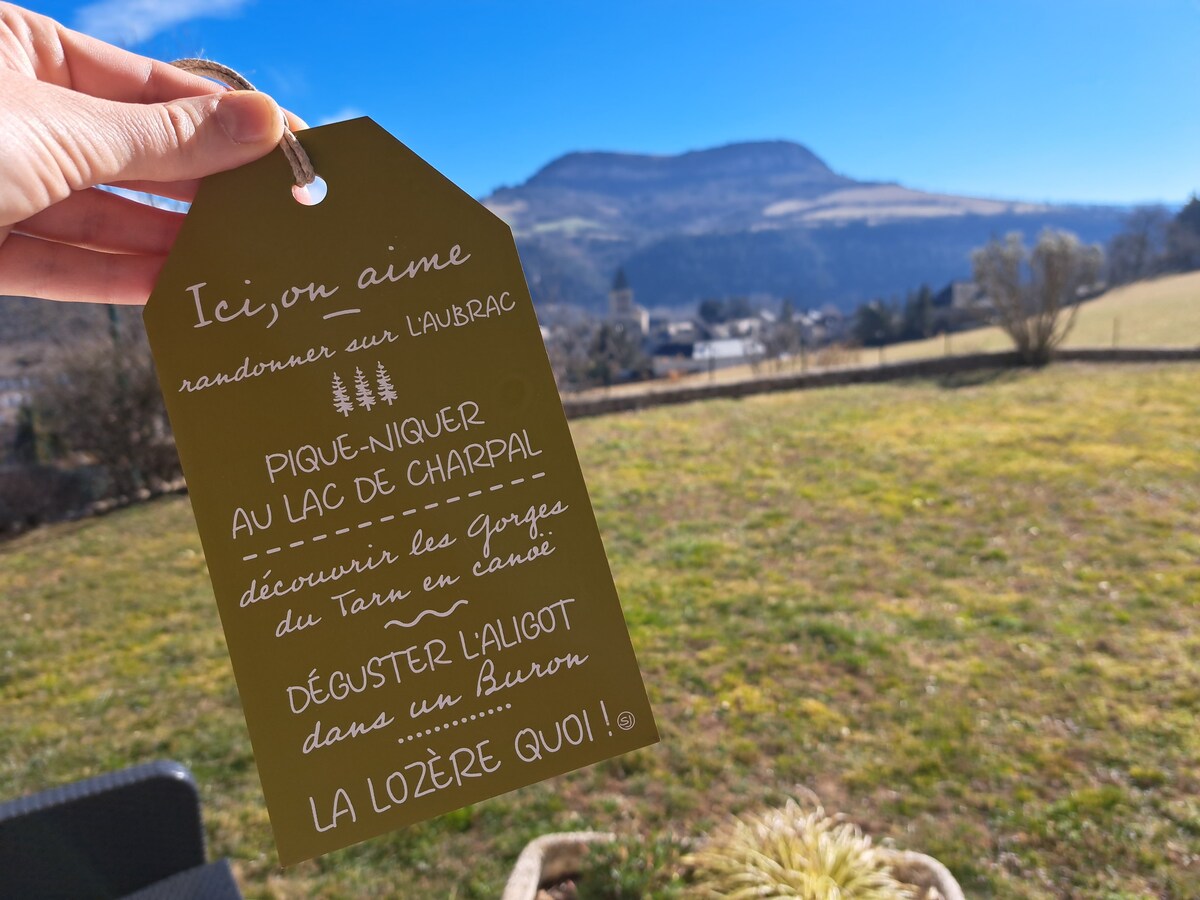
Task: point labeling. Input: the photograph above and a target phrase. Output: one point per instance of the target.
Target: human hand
(75, 113)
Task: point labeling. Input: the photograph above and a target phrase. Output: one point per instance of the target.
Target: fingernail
(249, 117)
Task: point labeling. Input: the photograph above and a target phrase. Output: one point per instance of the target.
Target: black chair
(132, 834)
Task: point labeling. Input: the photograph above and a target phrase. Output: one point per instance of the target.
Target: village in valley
(628, 342)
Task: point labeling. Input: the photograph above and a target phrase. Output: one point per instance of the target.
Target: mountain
(753, 218)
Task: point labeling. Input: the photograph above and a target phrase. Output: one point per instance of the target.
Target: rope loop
(303, 172)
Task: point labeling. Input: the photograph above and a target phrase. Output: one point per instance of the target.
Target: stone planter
(924, 872)
(549, 858)
(553, 857)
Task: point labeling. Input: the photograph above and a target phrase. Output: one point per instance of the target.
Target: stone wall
(938, 367)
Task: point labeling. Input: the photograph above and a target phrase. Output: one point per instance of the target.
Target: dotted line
(454, 723)
(408, 512)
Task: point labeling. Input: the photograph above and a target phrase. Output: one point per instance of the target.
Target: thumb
(181, 139)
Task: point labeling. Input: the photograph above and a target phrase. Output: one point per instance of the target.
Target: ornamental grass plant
(789, 852)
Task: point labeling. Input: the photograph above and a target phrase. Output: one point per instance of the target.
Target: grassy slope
(965, 615)
(1160, 313)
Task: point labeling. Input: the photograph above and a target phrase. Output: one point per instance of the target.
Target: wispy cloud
(346, 112)
(129, 22)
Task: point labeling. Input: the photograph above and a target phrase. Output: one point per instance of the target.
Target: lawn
(966, 614)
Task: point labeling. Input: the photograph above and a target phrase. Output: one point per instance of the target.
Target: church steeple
(622, 309)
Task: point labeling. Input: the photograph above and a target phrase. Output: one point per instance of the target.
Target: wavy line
(428, 612)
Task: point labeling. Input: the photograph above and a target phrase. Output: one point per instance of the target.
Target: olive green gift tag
(412, 585)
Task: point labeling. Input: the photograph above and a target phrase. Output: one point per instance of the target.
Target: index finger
(102, 70)
(77, 61)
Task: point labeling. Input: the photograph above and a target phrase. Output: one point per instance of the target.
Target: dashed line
(388, 518)
(453, 723)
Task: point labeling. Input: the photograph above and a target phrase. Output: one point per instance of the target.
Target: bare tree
(103, 404)
(1037, 312)
(567, 348)
(782, 340)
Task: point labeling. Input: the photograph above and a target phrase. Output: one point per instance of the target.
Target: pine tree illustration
(387, 393)
(341, 400)
(362, 390)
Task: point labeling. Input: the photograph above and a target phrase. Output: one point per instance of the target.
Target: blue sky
(1095, 101)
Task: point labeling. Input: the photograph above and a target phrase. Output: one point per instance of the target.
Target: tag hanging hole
(311, 194)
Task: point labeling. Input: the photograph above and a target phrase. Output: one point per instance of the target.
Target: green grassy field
(967, 614)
